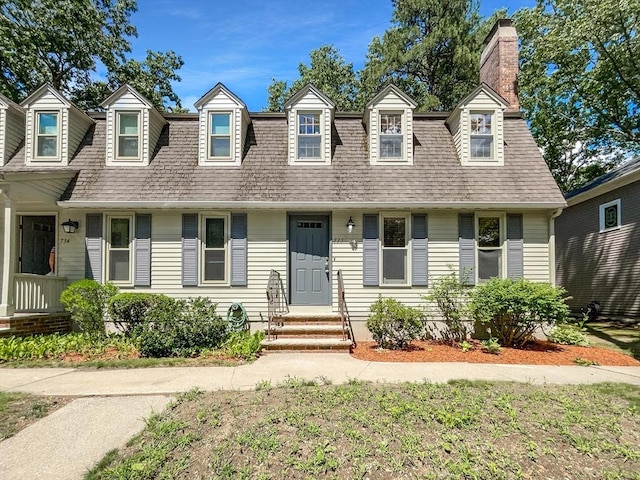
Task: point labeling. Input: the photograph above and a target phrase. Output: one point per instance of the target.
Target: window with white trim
(481, 144)
(47, 134)
(391, 136)
(309, 137)
(610, 216)
(395, 249)
(128, 135)
(120, 249)
(214, 244)
(490, 251)
(219, 135)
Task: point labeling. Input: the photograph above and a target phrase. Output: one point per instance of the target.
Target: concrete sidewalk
(67, 443)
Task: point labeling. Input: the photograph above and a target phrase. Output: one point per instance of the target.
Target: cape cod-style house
(210, 203)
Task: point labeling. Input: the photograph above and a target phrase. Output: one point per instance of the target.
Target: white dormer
(54, 128)
(223, 125)
(11, 128)
(133, 127)
(477, 128)
(309, 116)
(388, 119)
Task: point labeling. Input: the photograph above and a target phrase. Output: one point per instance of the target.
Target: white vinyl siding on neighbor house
(11, 133)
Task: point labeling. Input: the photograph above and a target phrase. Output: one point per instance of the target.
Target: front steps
(306, 332)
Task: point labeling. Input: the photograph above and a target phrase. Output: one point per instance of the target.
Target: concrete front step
(307, 344)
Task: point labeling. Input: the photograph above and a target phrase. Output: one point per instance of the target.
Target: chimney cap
(500, 23)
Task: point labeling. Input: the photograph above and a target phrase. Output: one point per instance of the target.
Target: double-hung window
(128, 134)
(394, 250)
(489, 247)
(219, 135)
(119, 249)
(309, 136)
(215, 232)
(481, 135)
(391, 135)
(47, 130)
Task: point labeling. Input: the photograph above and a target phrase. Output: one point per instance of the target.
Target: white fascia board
(310, 205)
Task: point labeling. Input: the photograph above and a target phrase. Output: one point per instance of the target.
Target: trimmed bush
(515, 309)
(394, 325)
(451, 297)
(86, 300)
(127, 310)
(179, 328)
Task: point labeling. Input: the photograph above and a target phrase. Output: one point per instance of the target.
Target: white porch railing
(38, 293)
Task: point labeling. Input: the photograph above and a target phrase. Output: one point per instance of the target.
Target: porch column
(7, 300)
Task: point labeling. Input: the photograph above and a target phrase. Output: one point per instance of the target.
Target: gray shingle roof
(265, 176)
(625, 169)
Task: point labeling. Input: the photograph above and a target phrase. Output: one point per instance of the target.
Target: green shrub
(451, 297)
(515, 309)
(244, 345)
(127, 310)
(491, 345)
(177, 328)
(568, 334)
(394, 325)
(86, 300)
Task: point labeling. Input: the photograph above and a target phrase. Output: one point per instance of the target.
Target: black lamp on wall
(350, 225)
(70, 226)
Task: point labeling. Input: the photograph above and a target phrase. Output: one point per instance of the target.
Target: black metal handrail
(276, 299)
(344, 311)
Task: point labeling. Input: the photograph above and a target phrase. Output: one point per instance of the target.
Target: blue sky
(246, 43)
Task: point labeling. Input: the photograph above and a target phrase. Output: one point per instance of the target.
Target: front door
(309, 271)
(38, 236)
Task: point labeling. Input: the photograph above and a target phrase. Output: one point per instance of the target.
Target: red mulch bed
(535, 353)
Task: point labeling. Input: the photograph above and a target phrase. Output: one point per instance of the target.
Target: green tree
(328, 72)
(579, 83)
(432, 51)
(64, 42)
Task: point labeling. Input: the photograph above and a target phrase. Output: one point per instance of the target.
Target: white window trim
(202, 245)
(116, 146)
(601, 210)
(108, 249)
(403, 122)
(503, 240)
(493, 135)
(209, 135)
(36, 135)
(320, 114)
(407, 241)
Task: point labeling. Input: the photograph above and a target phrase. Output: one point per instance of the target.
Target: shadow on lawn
(625, 337)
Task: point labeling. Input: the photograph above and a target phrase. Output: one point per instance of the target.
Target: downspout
(552, 245)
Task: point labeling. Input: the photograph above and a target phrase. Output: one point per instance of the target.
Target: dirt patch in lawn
(19, 410)
(535, 353)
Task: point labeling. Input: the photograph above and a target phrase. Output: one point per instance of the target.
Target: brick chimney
(499, 62)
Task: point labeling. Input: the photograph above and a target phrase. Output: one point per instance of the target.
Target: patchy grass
(460, 430)
(620, 337)
(19, 410)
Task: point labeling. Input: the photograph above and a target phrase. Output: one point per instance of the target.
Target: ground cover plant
(461, 430)
(19, 410)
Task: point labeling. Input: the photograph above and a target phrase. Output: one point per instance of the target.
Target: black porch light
(70, 226)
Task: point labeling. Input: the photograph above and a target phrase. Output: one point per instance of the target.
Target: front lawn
(19, 410)
(460, 430)
(616, 336)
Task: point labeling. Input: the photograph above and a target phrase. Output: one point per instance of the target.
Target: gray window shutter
(419, 244)
(142, 254)
(93, 247)
(467, 248)
(515, 244)
(370, 250)
(239, 249)
(190, 250)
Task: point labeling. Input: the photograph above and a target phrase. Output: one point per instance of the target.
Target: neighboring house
(598, 243)
(207, 204)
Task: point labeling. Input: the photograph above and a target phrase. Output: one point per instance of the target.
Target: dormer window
(219, 135)
(128, 134)
(309, 136)
(481, 135)
(47, 134)
(391, 135)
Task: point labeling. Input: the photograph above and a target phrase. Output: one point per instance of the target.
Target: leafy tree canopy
(580, 83)
(64, 42)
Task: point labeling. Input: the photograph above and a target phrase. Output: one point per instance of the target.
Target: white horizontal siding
(78, 127)
(536, 247)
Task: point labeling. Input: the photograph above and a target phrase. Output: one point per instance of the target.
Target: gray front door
(309, 260)
(38, 236)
